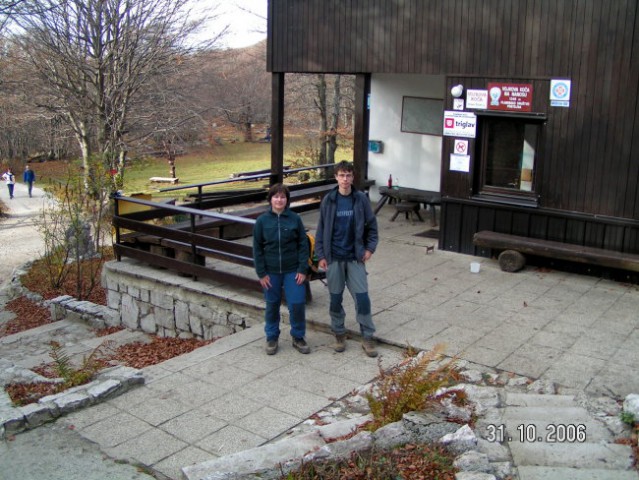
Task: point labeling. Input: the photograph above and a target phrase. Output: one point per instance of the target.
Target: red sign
(510, 96)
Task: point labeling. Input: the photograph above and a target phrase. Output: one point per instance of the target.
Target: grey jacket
(365, 225)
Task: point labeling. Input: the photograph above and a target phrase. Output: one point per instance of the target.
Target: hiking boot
(301, 346)
(271, 347)
(340, 343)
(368, 344)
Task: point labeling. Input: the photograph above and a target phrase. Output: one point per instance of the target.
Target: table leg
(382, 201)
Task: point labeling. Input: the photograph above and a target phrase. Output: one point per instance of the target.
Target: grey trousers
(351, 275)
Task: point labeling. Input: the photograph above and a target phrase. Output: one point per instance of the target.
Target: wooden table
(403, 194)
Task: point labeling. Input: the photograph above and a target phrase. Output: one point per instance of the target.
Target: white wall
(412, 158)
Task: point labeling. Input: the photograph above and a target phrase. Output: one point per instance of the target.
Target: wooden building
(541, 138)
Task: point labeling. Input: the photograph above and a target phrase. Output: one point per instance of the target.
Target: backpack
(312, 258)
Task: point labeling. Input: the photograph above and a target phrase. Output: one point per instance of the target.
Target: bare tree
(329, 107)
(94, 57)
(237, 87)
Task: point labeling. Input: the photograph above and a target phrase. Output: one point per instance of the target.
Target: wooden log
(511, 261)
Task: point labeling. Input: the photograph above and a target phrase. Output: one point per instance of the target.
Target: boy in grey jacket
(346, 239)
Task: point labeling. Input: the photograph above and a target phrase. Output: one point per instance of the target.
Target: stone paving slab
(556, 473)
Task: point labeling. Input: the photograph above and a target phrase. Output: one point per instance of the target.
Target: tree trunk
(321, 105)
(332, 134)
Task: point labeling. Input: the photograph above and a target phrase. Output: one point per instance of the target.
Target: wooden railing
(180, 238)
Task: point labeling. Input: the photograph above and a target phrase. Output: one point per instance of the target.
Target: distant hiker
(10, 180)
(29, 178)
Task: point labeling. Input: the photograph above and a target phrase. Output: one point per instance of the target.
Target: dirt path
(20, 240)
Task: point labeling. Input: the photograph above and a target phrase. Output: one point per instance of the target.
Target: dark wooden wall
(588, 163)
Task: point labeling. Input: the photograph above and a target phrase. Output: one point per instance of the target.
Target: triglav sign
(460, 124)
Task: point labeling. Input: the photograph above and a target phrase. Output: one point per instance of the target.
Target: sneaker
(340, 343)
(301, 346)
(271, 347)
(368, 344)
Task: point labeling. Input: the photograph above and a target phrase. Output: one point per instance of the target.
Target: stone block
(73, 401)
(164, 318)
(104, 389)
(133, 291)
(37, 414)
(182, 315)
(113, 299)
(161, 300)
(130, 312)
(147, 324)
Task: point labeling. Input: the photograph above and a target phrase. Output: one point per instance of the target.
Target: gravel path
(20, 240)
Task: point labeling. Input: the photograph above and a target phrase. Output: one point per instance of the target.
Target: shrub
(410, 386)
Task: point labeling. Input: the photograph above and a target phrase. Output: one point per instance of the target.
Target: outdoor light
(457, 90)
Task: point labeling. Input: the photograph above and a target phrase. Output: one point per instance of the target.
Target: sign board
(460, 124)
(477, 99)
(560, 93)
(460, 163)
(458, 104)
(460, 147)
(512, 97)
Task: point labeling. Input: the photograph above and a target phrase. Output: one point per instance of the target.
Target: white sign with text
(460, 124)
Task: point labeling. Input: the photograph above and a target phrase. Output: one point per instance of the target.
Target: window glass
(508, 153)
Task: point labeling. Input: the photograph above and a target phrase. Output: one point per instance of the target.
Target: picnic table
(405, 195)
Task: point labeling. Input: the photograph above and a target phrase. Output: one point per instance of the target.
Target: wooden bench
(164, 180)
(407, 208)
(513, 248)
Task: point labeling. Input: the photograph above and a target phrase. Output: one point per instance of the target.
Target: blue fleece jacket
(279, 243)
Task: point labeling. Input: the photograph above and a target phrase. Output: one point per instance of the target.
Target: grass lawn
(207, 165)
(216, 163)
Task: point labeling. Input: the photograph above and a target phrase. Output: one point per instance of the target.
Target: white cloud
(246, 20)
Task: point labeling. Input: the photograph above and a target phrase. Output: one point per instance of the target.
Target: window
(507, 155)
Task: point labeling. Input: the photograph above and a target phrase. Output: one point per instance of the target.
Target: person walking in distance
(10, 180)
(346, 239)
(28, 177)
(280, 252)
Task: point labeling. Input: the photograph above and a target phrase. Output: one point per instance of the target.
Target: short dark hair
(344, 166)
(279, 188)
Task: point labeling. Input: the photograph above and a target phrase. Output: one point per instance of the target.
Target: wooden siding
(489, 37)
(468, 217)
(589, 157)
(587, 166)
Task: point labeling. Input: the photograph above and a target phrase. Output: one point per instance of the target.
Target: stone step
(559, 473)
(573, 455)
(553, 425)
(566, 414)
(514, 399)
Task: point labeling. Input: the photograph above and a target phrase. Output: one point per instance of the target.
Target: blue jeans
(295, 299)
(352, 275)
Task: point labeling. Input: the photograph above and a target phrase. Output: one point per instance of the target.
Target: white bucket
(474, 267)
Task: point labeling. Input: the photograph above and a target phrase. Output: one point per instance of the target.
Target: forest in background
(58, 104)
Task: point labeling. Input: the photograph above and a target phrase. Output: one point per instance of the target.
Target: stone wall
(160, 302)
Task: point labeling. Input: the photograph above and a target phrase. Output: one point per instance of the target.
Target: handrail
(188, 210)
(243, 179)
(137, 238)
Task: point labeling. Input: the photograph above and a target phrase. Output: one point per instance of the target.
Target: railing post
(193, 246)
(116, 214)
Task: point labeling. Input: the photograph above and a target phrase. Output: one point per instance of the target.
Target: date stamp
(530, 433)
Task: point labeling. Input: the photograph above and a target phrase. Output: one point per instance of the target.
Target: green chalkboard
(422, 115)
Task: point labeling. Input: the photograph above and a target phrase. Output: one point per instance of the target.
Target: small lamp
(457, 90)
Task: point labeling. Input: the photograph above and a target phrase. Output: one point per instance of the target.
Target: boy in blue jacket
(280, 252)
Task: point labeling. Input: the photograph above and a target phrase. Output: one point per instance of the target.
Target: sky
(247, 20)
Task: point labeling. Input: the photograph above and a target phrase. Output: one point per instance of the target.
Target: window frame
(511, 196)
